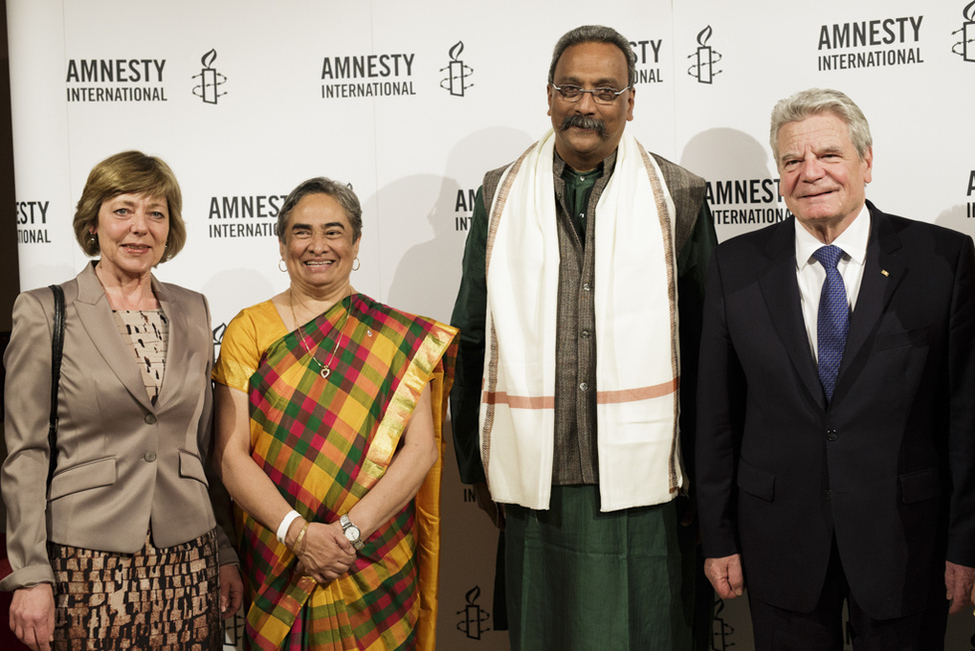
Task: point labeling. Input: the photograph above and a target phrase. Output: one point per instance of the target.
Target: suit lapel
(177, 348)
(882, 273)
(96, 316)
(781, 291)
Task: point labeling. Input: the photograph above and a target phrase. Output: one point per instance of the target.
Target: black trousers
(822, 629)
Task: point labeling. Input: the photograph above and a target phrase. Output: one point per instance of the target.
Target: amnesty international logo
(473, 623)
(218, 338)
(722, 633)
(457, 72)
(880, 42)
(233, 631)
(32, 222)
(965, 48)
(367, 75)
(115, 80)
(970, 206)
(208, 88)
(703, 65)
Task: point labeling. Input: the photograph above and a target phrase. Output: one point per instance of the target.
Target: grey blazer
(124, 466)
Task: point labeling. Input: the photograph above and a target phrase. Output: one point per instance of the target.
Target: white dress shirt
(811, 274)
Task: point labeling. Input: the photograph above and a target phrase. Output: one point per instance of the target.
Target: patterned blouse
(147, 331)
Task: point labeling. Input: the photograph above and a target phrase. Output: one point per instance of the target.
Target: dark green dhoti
(579, 579)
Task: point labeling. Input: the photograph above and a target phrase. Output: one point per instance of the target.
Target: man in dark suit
(836, 429)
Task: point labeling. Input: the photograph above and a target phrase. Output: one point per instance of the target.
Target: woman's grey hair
(815, 101)
(321, 185)
(595, 34)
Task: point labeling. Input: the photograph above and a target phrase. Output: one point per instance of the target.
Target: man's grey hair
(816, 101)
(595, 34)
(321, 185)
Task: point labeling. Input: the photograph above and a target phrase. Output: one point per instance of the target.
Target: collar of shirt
(559, 166)
(853, 241)
(589, 178)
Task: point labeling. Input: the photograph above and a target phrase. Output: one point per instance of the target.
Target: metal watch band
(346, 525)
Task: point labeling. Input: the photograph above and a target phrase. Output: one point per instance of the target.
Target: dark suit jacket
(888, 467)
(123, 464)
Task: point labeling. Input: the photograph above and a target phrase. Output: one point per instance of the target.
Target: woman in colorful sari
(329, 409)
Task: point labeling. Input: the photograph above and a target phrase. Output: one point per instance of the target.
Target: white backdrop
(246, 98)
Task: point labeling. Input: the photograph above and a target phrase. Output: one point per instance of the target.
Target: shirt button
(150, 419)
(831, 435)
(586, 287)
(584, 334)
(829, 495)
(149, 456)
(583, 387)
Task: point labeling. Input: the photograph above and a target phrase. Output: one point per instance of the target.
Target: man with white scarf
(579, 308)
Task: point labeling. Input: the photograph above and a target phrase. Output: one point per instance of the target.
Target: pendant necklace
(325, 369)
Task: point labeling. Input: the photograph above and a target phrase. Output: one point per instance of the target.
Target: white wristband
(285, 524)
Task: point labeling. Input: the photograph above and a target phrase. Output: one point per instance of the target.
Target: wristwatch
(351, 532)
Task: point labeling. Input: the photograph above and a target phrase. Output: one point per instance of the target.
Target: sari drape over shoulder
(325, 442)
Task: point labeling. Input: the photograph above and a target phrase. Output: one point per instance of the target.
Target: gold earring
(282, 262)
(356, 264)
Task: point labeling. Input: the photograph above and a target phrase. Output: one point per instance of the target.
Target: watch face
(352, 533)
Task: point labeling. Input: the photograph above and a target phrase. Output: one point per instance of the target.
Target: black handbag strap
(57, 347)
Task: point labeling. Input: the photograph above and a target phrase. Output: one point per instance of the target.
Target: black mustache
(584, 122)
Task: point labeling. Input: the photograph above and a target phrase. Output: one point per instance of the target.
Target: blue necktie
(834, 318)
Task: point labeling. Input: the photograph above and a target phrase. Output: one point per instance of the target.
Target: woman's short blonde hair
(130, 172)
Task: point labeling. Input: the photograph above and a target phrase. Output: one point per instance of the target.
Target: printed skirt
(166, 599)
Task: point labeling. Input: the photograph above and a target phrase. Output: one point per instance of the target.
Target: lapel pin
(884, 272)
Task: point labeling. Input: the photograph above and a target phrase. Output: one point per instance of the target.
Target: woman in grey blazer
(125, 547)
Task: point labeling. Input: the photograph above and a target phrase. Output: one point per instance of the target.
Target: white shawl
(635, 301)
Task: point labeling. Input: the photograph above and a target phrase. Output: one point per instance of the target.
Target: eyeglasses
(572, 93)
